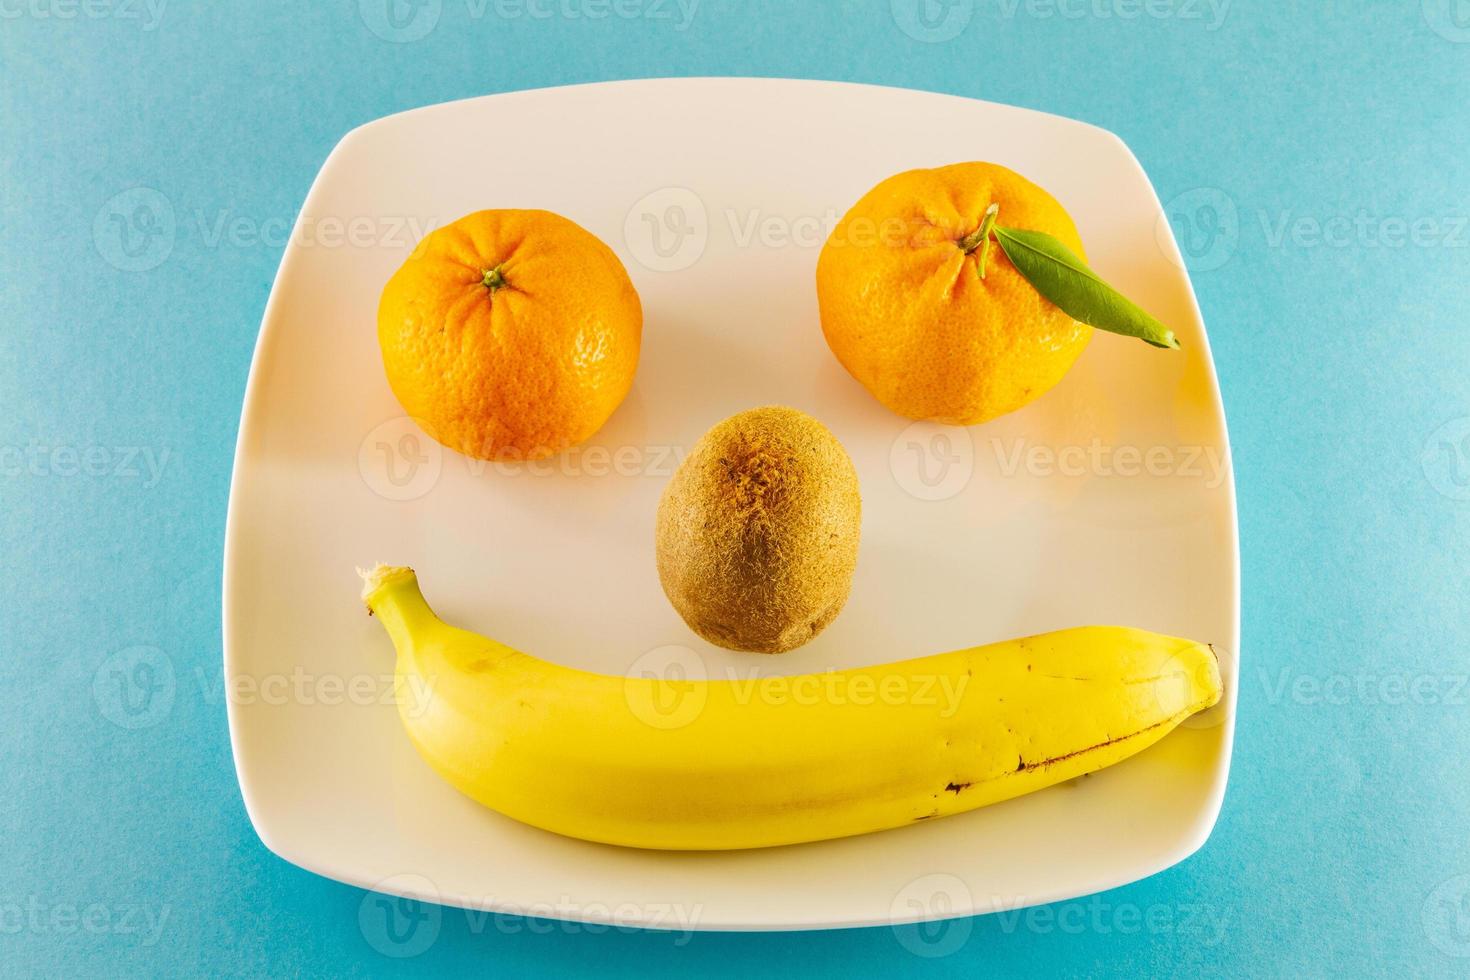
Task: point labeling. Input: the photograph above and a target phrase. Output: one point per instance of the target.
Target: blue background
(1344, 355)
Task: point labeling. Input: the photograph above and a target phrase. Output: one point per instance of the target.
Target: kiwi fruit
(757, 531)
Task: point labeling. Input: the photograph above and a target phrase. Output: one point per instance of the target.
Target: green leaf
(1062, 277)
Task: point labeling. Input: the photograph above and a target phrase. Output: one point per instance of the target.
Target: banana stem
(391, 592)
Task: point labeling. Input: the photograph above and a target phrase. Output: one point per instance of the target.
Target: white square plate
(1109, 500)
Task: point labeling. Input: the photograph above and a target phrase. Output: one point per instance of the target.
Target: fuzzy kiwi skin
(757, 532)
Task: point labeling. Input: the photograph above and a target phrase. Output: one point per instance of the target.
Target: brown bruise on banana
(1022, 766)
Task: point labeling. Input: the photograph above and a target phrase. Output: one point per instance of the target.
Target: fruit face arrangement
(955, 294)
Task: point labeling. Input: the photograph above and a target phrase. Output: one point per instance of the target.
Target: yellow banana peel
(671, 763)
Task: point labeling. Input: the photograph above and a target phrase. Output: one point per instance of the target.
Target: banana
(706, 765)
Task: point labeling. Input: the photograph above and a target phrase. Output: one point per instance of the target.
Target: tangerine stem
(980, 237)
(493, 279)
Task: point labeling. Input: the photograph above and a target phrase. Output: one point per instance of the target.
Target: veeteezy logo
(664, 688)
(1211, 13)
(148, 13)
(403, 21)
(143, 465)
(936, 21)
(37, 916)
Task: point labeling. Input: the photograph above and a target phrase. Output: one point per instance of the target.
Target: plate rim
(1202, 828)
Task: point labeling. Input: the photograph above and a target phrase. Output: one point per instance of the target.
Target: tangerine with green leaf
(921, 301)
